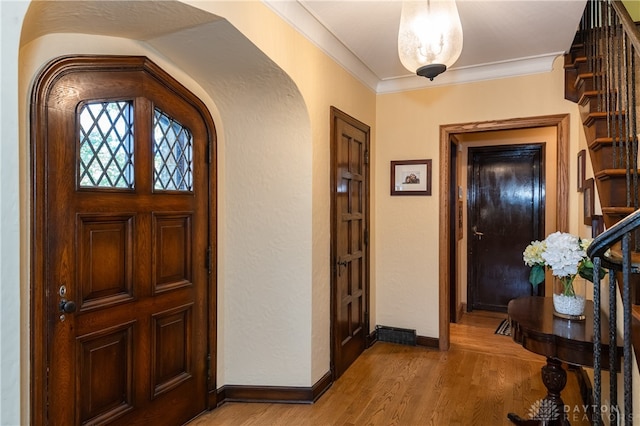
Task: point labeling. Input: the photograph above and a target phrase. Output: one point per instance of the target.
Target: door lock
(340, 264)
(65, 306)
(477, 233)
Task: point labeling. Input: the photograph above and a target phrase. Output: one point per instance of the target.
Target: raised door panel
(105, 374)
(172, 348)
(172, 257)
(105, 259)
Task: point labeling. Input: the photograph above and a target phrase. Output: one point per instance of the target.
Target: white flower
(533, 253)
(563, 254)
(585, 243)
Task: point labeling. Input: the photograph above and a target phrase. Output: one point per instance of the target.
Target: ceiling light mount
(431, 71)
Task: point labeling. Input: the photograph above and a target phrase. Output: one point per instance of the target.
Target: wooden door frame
(334, 114)
(39, 299)
(447, 136)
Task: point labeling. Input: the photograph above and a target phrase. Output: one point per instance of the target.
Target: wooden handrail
(627, 22)
(611, 236)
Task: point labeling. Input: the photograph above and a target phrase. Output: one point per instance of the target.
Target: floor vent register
(402, 336)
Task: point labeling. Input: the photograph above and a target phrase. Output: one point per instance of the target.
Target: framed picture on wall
(411, 177)
(597, 225)
(581, 166)
(589, 202)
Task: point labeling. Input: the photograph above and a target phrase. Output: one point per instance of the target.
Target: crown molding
(306, 24)
(490, 71)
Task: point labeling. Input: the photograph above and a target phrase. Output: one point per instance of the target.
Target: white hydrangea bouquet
(566, 256)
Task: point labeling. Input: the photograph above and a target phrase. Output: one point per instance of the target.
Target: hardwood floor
(477, 382)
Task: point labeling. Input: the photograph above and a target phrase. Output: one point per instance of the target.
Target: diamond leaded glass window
(106, 145)
(172, 154)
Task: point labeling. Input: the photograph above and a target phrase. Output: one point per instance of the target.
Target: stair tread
(618, 209)
(606, 139)
(612, 172)
(597, 145)
(587, 97)
(574, 63)
(591, 117)
(604, 114)
(615, 256)
(590, 93)
(588, 74)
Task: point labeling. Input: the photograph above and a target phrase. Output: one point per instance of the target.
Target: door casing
(446, 237)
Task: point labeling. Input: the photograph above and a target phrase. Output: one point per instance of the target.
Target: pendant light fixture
(430, 36)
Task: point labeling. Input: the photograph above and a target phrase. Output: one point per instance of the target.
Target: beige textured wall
(322, 83)
(407, 227)
(263, 337)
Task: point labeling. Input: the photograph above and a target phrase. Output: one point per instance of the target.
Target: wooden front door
(349, 239)
(123, 227)
(506, 213)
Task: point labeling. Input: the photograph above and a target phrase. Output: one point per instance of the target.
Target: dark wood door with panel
(125, 240)
(506, 213)
(350, 246)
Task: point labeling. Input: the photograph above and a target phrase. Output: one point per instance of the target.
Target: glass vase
(569, 297)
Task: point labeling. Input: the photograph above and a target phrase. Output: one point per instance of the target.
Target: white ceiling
(502, 38)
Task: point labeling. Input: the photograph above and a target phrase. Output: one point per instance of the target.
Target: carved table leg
(551, 409)
(554, 378)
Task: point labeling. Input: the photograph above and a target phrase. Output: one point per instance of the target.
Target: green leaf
(537, 275)
(586, 270)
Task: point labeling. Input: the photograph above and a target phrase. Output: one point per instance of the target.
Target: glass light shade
(430, 36)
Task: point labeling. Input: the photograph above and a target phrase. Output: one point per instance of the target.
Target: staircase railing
(612, 250)
(611, 42)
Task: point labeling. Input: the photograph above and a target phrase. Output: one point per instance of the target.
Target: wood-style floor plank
(477, 382)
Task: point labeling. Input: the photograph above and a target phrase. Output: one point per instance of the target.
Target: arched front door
(122, 232)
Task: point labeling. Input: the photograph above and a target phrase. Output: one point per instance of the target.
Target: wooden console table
(534, 326)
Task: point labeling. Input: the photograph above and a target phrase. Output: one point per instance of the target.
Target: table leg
(551, 408)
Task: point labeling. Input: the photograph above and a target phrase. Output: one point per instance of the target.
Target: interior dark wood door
(506, 213)
(350, 250)
(126, 236)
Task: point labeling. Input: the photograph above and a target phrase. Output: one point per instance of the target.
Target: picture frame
(597, 225)
(588, 202)
(581, 169)
(411, 177)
